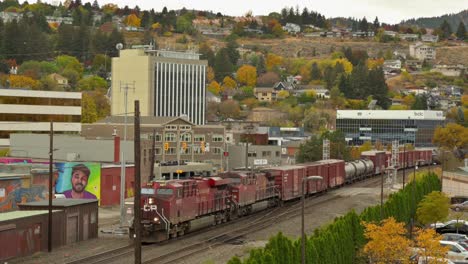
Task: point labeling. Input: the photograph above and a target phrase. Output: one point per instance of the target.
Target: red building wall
(110, 184)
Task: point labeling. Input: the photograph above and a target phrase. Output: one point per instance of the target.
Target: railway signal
(184, 145)
(166, 146)
(202, 146)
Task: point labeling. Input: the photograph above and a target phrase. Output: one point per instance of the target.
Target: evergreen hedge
(341, 241)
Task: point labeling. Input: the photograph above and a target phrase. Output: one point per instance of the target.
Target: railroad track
(106, 256)
(259, 222)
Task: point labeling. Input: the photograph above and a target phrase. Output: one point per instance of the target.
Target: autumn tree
(21, 81)
(273, 61)
(132, 21)
(214, 87)
(434, 207)
(89, 114)
(387, 242)
(268, 79)
(247, 75)
(91, 83)
(229, 109)
(228, 83)
(452, 136)
(428, 245)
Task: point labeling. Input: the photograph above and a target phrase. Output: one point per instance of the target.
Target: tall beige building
(167, 83)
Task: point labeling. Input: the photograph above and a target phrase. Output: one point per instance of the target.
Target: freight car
(181, 206)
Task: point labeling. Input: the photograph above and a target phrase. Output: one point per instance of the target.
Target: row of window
(264, 154)
(186, 137)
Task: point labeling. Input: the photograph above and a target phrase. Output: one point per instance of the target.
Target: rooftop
(390, 114)
(61, 202)
(22, 214)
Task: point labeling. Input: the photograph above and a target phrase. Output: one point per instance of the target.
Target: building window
(185, 127)
(264, 94)
(277, 153)
(186, 137)
(171, 127)
(170, 137)
(252, 154)
(197, 150)
(266, 153)
(157, 137)
(158, 151)
(171, 151)
(199, 138)
(217, 138)
(186, 151)
(217, 150)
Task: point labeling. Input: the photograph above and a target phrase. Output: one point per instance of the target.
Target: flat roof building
(32, 111)
(385, 126)
(167, 83)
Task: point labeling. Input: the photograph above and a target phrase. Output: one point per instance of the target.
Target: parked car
(429, 260)
(456, 252)
(458, 199)
(460, 206)
(453, 226)
(440, 224)
(455, 237)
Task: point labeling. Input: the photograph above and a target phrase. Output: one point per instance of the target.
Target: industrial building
(385, 126)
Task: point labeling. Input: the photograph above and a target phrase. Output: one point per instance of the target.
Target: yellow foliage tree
(132, 20)
(247, 74)
(210, 75)
(228, 83)
(387, 242)
(347, 65)
(365, 147)
(464, 100)
(451, 136)
(374, 63)
(214, 87)
(273, 61)
(355, 154)
(21, 81)
(250, 102)
(283, 94)
(409, 100)
(427, 242)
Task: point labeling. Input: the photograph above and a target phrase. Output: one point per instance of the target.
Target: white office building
(167, 83)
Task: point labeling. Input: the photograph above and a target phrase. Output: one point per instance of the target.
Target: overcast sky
(388, 11)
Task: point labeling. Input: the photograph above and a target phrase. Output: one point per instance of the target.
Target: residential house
(390, 33)
(409, 37)
(429, 38)
(393, 64)
(292, 28)
(414, 64)
(449, 70)
(10, 16)
(265, 94)
(59, 20)
(314, 34)
(362, 34)
(59, 79)
(285, 85)
(422, 51)
(212, 98)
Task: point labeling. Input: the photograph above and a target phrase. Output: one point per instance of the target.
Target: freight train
(177, 207)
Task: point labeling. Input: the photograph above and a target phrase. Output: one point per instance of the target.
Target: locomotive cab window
(164, 192)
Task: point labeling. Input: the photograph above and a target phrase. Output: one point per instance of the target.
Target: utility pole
(51, 177)
(153, 154)
(405, 161)
(125, 88)
(137, 187)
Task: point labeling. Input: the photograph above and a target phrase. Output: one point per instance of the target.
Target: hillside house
(392, 64)
(10, 16)
(292, 28)
(429, 38)
(285, 85)
(59, 20)
(409, 37)
(390, 33)
(422, 51)
(210, 97)
(265, 94)
(59, 79)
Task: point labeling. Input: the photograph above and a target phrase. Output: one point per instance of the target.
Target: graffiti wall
(79, 180)
(15, 191)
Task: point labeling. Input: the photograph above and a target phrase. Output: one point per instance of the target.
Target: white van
(428, 260)
(456, 251)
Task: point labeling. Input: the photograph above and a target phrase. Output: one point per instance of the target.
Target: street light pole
(304, 180)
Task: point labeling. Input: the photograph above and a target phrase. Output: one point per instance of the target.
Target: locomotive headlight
(151, 200)
(156, 219)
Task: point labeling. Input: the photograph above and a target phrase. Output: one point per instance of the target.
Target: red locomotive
(180, 206)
